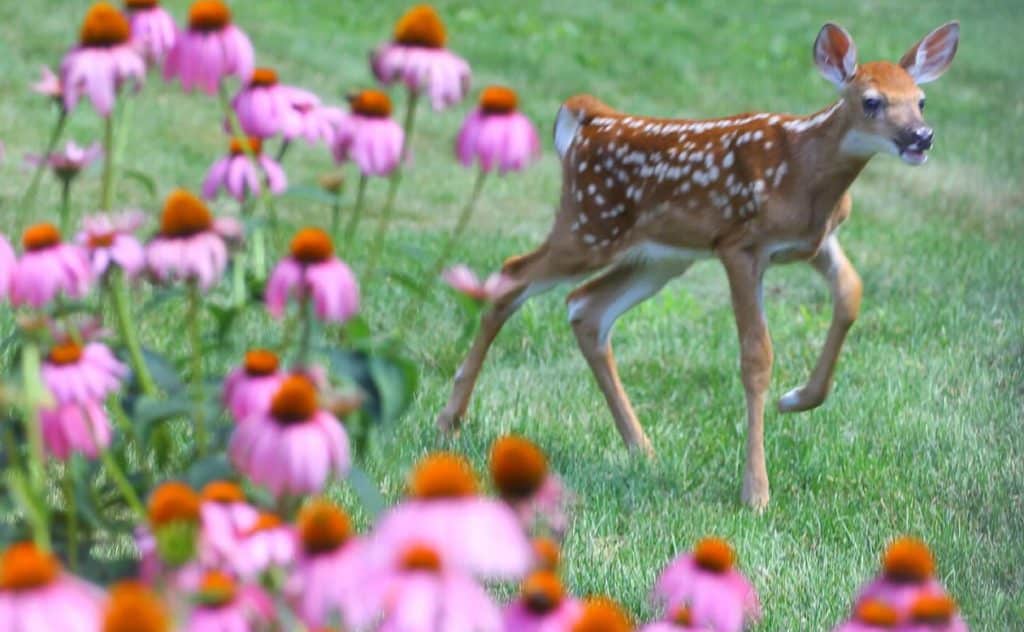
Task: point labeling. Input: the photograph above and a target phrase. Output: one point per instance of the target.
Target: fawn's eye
(872, 105)
(920, 105)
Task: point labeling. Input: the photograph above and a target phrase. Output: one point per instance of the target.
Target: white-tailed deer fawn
(643, 198)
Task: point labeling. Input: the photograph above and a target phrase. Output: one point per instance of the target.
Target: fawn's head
(884, 99)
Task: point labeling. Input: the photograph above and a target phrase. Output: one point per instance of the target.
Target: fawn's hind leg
(524, 277)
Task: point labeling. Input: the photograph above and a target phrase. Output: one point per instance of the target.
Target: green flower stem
(460, 226)
(71, 510)
(122, 483)
(126, 329)
(28, 199)
(35, 393)
(282, 150)
(357, 211)
(65, 205)
(198, 389)
(409, 122)
(306, 331)
(107, 190)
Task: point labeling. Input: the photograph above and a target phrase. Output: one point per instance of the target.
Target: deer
(643, 198)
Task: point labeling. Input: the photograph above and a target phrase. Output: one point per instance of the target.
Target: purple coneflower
(210, 49)
(463, 280)
(520, 472)
(191, 243)
(369, 136)
(225, 518)
(47, 268)
(36, 595)
(103, 60)
(311, 271)
(153, 29)
(248, 389)
(542, 606)
(67, 163)
(221, 605)
(908, 570)
(496, 135)
(241, 175)
(264, 106)
(134, 607)
(109, 240)
(49, 85)
(269, 543)
(7, 263)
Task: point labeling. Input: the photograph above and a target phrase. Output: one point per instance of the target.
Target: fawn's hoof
(798, 400)
(449, 421)
(755, 495)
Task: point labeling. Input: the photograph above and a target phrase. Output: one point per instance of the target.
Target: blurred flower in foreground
(520, 472)
(80, 379)
(318, 123)
(109, 240)
(418, 58)
(369, 136)
(153, 29)
(134, 607)
(248, 389)
(210, 49)
(934, 613)
(600, 614)
(241, 175)
(269, 542)
(169, 540)
(7, 262)
(36, 595)
(463, 280)
(496, 135)
(707, 582)
(908, 570)
(542, 606)
(191, 243)
(221, 605)
(679, 620)
(871, 616)
(293, 448)
(224, 517)
(48, 267)
(103, 60)
(311, 271)
(328, 570)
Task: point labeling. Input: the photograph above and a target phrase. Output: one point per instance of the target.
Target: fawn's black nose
(923, 137)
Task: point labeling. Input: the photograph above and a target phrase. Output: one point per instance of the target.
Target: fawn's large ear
(835, 54)
(929, 58)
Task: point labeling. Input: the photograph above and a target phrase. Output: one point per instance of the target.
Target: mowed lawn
(923, 433)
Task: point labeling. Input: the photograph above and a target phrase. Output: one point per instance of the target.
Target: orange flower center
(498, 100)
(877, 613)
(295, 400)
(601, 614)
(133, 607)
(40, 236)
(371, 103)
(547, 552)
(908, 560)
(542, 592)
(224, 492)
(184, 215)
(25, 567)
(104, 26)
(421, 557)
(323, 527)
(714, 554)
(518, 467)
(101, 240)
(421, 26)
(933, 609)
(65, 353)
(173, 501)
(216, 589)
(682, 616)
(263, 77)
(265, 522)
(260, 362)
(237, 146)
(141, 4)
(442, 475)
(311, 245)
(208, 15)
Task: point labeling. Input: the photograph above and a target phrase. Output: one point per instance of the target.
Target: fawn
(643, 198)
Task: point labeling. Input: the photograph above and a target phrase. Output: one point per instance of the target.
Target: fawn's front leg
(745, 270)
(844, 282)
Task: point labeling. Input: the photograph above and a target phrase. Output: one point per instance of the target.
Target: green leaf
(150, 412)
(367, 491)
(144, 179)
(211, 468)
(413, 285)
(163, 372)
(396, 380)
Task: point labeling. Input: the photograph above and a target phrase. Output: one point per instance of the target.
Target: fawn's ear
(835, 54)
(929, 58)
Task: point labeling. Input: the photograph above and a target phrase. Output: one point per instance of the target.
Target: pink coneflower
(102, 62)
(67, 163)
(933, 613)
(463, 280)
(318, 123)
(520, 472)
(445, 507)
(542, 606)
(7, 263)
(36, 595)
(190, 245)
(269, 542)
(908, 570)
(225, 519)
(109, 240)
(133, 607)
(707, 581)
(871, 616)
(293, 448)
(264, 106)
(211, 49)
(329, 567)
(311, 271)
(249, 388)
(681, 620)
(417, 57)
(416, 586)
(601, 614)
(224, 606)
(240, 176)
(496, 135)
(47, 268)
(153, 29)
(49, 85)
(369, 136)
(169, 539)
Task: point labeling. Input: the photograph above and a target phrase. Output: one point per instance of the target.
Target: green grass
(923, 431)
